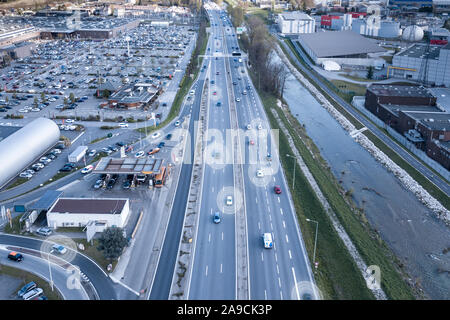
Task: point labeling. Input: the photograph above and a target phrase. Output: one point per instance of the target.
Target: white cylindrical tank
(413, 33)
(24, 146)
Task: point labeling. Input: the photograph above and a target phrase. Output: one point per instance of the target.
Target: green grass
(337, 276)
(98, 140)
(26, 277)
(92, 252)
(17, 182)
(15, 229)
(357, 89)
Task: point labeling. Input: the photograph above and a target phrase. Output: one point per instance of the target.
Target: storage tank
(413, 33)
(26, 145)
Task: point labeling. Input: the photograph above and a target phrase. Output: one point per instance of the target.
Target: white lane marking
(279, 200)
(222, 235)
(206, 271)
(295, 282)
(259, 226)
(270, 217)
(278, 269)
(268, 208)
(209, 237)
(287, 239)
(220, 268)
(279, 282)
(281, 295)
(271, 227)
(281, 210)
(290, 255)
(265, 294)
(256, 199)
(213, 189)
(276, 258)
(262, 256)
(284, 224)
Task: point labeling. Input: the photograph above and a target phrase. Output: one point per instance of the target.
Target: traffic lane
(166, 264)
(100, 280)
(39, 266)
(215, 242)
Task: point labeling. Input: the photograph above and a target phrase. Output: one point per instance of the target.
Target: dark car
(66, 169)
(120, 144)
(111, 183)
(98, 184)
(126, 184)
(216, 218)
(161, 144)
(15, 256)
(169, 136)
(26, 288)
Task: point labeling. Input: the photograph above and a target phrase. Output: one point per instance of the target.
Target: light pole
(293, 180)
(50, 269)
(315, 240)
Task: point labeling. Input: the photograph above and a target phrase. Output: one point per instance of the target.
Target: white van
(267, 238)
(192, 92)
(32, 294)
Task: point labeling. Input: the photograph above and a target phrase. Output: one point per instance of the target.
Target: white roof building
(295, 23)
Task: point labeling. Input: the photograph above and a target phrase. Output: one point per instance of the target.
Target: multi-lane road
(277, 273)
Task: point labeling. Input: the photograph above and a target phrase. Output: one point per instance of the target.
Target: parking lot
(62, 77)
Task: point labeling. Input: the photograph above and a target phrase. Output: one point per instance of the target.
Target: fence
(358, 103)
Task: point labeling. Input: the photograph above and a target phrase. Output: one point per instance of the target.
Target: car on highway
(267, 240)
(251, 142)
(244, 92)
(249, 127)
(177, 123)
(216, 217)
(26, 288)
(238, 99)
(153, 151)
(123, 125)
(192, 92)
(87, 169)
(59, 249)
(219, 103)
(229, 201)
(214, 93)
(92, 153)
(277, 189)
(259, 173)
(15, 256)
(44, 231)
(139, 154)
(259, 127)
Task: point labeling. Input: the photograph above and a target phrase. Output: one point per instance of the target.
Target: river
(410, 229)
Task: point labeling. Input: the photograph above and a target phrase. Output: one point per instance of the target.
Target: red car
(277, 189)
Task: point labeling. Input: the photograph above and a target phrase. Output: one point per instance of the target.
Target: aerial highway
(277, 273)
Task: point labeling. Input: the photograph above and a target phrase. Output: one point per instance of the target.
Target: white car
(35, 109)
(123, 125)
(156, 135)
(177, 123)
(139, 154)
(192, 92)
(25, 175)
(229, 200)
(69, 121)
(45, 160)
(92, 153)
(238, 99)
(23, 110)
(32, 294)
(58, 151)
(259, 127)
(259, 173)
(59, 249)
(87, 169)
(249, 127)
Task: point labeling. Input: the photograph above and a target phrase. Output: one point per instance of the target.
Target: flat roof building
(322, 46)
(295, 23)
(79, 212)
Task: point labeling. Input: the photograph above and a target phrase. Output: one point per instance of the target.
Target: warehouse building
(343, 47)
(80, 212)
(295, 23)
(420, 62)
(25, 146)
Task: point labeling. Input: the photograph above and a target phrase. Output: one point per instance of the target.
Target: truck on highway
(78, 154)
(267, 238)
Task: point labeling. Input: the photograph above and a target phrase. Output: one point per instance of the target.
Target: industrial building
(343, 47)
(441, 6)
(414, 113)
(295, 23)
(420, 62)
(80, 212)
(24, 146)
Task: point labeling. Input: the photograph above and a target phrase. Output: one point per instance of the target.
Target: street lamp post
(293, 180)
(315, 240)
(50, 269)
